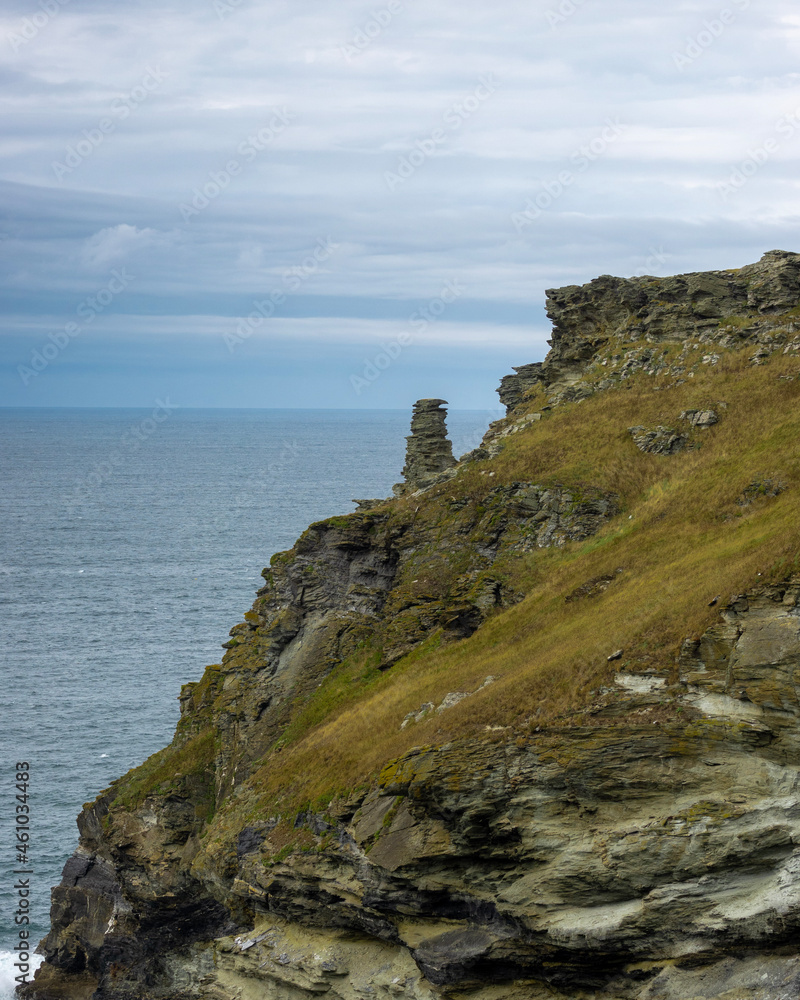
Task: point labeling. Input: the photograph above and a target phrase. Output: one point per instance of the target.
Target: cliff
(529, 729)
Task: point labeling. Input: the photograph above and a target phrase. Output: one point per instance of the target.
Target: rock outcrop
(609, 330)
(611, 861)
(700, 418)
(752, 304)
(639, 844)
(513, 387)
(429, 452)
(658, 440)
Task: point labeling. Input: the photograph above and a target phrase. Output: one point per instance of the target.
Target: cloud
(117, 243)
(330, 330)
(369, 96)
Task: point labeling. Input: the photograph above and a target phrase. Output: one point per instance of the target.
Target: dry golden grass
(681, 541)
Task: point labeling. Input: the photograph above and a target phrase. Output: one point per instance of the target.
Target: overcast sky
(386, 189)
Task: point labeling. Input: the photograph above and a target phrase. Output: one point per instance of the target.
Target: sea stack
(429, 451)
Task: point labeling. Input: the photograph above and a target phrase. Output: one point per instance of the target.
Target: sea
(131, 541)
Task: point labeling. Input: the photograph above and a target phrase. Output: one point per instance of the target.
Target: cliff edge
(528, 729)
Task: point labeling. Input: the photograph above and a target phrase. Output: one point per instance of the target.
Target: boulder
(659, 440)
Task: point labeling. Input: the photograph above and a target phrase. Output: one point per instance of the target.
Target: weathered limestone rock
(655, 863)
(726, 307)
(553, 516)
(633, 862)
(748, 666)
(667, 440)
(700, 418)
(658, 441)
(513, 387)
(599, 327)
(754, 304)
(429, 452)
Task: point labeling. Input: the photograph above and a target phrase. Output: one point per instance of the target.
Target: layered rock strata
(429, 452)
(757, 304)
(596, 862)
(513, 387)
(610, 329)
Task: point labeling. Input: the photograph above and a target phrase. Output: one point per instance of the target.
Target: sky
(355, 205)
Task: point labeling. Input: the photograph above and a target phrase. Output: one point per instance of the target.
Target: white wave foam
(8, 972)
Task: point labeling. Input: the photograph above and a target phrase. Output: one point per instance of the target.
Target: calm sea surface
(131, 542)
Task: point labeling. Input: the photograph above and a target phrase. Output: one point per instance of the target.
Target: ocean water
(131, 542)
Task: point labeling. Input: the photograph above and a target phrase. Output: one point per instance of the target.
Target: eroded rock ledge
(728, 308)
(609, 316)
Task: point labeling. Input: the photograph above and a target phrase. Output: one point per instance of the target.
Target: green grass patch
(186, 770)
(677, 543)
(681, 539)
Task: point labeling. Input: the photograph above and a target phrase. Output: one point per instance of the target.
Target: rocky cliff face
(725, 308)
(604, 861)
(640, 842)
(756, 304)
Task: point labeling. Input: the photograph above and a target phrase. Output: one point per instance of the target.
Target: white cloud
(286, 330)
(117, 243)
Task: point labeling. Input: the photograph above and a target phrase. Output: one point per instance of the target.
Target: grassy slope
(681, 540)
